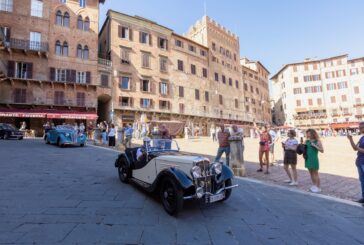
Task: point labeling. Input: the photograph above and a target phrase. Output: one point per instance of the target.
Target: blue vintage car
(65, 135)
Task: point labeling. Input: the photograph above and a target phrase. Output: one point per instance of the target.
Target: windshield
(162, 145)
(7, 126)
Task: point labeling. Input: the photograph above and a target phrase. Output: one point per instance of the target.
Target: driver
(141, 154)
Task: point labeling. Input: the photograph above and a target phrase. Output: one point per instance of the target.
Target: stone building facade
(49, 62)
(324, 93)
(197, 78)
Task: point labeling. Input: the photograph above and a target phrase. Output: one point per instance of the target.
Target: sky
(275, 32)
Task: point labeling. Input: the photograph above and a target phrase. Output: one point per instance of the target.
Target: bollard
(236, 156)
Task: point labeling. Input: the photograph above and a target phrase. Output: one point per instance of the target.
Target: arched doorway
(104, 108)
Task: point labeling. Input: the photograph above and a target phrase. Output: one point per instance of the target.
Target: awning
(54, 114)
(344, 125)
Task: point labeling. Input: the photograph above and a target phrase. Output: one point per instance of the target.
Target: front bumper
(208, 195)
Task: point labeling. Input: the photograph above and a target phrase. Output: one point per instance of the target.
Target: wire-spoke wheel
(171, 195)
(123, 174)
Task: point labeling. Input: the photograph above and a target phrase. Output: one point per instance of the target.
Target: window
(298, 103)
(20, 95)
(59, 18)
(223, 79)
(66, 20)
(181, 91)
(354, 71)
(204, 72)
(36, 8)
(319, 101)
(245, 87)
(60, 75)
(85, 53)
(358, 101)
(331, 86)
(163, 89)
(313, 89)
(202, 52)
(163, 62)
(207, 97)
(81, 99)
(236, 103)
(344, 98)
(181, 108)
(125, 56)
(81, 77)
(164, 105)
(296, 79)
(79, 22)
(237, 84)
(312, 78)
(297, 91)
(145, 103)
(179, 43)
(6, 5)
(251, 89)
(197, 94)
(125, 101)
(220, 99)
(213, 46)
(333, 99)
(163, 43)
(310, 102)
(356, 90)
(62, 1)
(193, 69)
(342, 85)
(145, 85)
(124, 32)
(86, 24)
(104, 80)
(22, 70)
(144, 38)
(230, 82)
(192, 48)
(35, 41)
(216, 76)
(79, 51)
(58, 48)
(124, 83)
(180, 65)
(82, 3)
(6, 31)
(145, 60)
(59, 98)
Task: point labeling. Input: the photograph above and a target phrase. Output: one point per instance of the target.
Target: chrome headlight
(199, 192)
(217, 167)
(196, 172)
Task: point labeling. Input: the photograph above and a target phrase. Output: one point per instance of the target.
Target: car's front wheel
(59, 142)
(171, 195)
(123, 174)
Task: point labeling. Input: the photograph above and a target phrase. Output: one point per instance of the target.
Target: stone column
(236, 156)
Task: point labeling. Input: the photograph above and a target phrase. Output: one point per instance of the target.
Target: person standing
(82, 128)
(359, 147)
(104, 129)
(314, 146)
(90, 129)
(213, 134)
(290, 157)
(273, 136)
(128, 136)
(265, 141)
(112, 133)
(224, 145)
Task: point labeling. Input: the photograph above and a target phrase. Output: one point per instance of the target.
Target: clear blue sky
(275, 32)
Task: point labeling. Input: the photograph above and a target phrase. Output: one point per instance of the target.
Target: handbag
(302, 150)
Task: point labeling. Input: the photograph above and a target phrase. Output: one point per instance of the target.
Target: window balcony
(105, 62)
(26, 45)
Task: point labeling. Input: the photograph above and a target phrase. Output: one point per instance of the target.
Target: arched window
(59, 18)
(66, 19)
(79, 22)
(79, 51)
(58, 48)
(65, 49)
(85, 53)
(86, 24)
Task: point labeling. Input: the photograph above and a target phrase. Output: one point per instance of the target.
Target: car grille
(207, 179)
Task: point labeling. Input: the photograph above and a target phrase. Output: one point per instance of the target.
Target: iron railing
(27, 45)
(104, 62)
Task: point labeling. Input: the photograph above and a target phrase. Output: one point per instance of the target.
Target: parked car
(9, 132)
(65, 135)
(174, 176)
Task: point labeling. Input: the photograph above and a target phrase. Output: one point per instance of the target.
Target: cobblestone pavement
(338, 172)
(72, 195)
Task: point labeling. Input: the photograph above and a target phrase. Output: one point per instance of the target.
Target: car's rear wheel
(228, 183)
(123, 174)
(171, 195)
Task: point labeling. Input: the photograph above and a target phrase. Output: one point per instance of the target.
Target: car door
(146, 174)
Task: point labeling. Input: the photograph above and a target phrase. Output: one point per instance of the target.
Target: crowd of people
(309, 149)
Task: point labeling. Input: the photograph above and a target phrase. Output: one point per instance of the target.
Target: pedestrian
(290, 157)
(313, 147)
(104, 133)
(224, 145)
(112, 133)
(90, 129)
(82, 128)
(264, 142)
(273, 136)
(359, 147)
(213, 134)
(128, 136)
(75, 127)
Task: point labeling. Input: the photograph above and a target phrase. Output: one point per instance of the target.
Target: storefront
(35, 119)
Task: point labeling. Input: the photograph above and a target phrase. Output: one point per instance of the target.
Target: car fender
(122, 158)
(226, 173)
(181, 178)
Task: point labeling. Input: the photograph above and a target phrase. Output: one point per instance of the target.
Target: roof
(306, 62)
(190, 40)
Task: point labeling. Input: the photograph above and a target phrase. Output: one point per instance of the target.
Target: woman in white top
(290, 157)
(112, 133)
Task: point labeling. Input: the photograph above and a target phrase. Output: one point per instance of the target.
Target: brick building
(49, 62)
(197, 78)
(325, 93)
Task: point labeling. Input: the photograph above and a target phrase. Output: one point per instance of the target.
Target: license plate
(217, 197)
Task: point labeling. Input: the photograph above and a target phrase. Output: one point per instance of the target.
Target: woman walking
(111, 135)
(265, 141)
(314, 146)
(290, 157)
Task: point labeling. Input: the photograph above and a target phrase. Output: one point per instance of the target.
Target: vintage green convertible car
(65, 135)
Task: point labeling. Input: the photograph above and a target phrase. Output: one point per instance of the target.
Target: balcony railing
(105, 62)
(27, 45)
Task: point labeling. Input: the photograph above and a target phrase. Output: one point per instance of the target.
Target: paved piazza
(73, 196)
